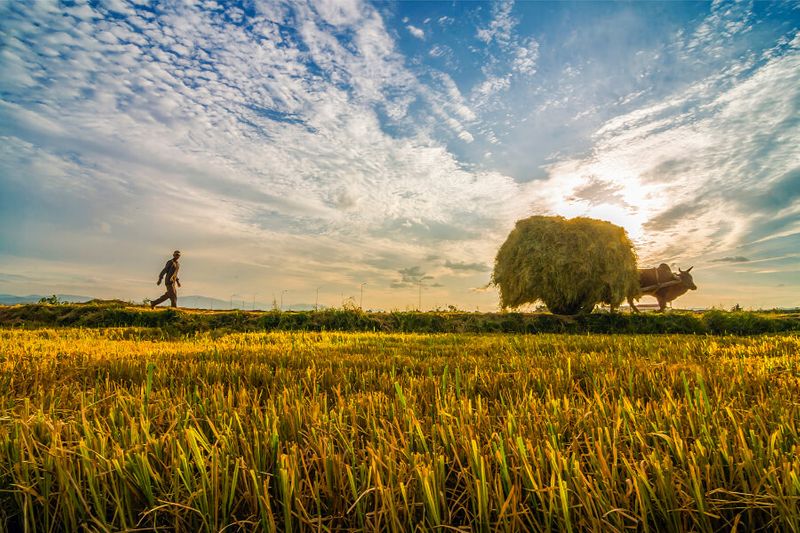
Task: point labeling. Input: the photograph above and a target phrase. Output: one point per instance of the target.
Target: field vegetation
(116, 313)
(131, 428)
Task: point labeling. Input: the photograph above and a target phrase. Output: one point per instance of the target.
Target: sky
(295, 148)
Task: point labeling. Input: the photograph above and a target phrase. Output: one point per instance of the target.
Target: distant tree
(51, 300)
(569, 264)
(349, 304)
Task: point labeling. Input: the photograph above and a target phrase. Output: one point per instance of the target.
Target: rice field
(125, 429)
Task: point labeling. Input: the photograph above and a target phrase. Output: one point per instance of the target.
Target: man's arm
(163, 273)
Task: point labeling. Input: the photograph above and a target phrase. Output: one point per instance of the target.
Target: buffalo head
(686, 278)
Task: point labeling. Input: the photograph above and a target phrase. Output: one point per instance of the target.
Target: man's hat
(176, 252)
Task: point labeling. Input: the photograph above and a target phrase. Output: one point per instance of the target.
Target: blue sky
(325, 144)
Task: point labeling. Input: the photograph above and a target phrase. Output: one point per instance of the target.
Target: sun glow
(604, 190)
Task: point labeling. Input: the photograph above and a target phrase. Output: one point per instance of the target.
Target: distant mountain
(192, 302)
(200, 302)
(205, 302)
(10, 299)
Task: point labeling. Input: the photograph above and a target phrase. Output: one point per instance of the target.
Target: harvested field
(114, 429)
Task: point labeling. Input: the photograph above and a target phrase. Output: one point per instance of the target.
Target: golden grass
(109, 430)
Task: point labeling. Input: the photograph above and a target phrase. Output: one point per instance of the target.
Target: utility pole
(361, 305)
(282, 292)
(421, 281)
(316, 303)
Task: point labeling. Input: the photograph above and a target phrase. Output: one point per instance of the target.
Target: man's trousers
(171, 295)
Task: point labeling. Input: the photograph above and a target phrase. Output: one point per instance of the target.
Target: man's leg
(160, 299)
(172, 291)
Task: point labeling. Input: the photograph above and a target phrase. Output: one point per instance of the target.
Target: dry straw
(569, 264)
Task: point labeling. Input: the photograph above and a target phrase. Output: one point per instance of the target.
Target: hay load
(569, 264)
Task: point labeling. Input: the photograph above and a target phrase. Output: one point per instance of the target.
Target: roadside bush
(180, 321)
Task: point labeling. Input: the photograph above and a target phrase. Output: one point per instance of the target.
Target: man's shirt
(170, 271)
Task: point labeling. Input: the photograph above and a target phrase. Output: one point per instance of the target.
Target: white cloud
(438, 51)
(501, 25)
(713, 35)
(340, 12)
(251, 146)
(482, 94)
(416, 32)
(525, 57)
(515, 56)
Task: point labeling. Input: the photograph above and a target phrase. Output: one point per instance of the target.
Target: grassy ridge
(120, 314)
(114, 429)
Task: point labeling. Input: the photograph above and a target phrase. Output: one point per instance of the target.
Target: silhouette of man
(170, 272)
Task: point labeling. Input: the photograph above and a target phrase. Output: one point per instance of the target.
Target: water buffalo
(663, 284)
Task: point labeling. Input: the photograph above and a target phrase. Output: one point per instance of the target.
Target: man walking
(170, 272)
